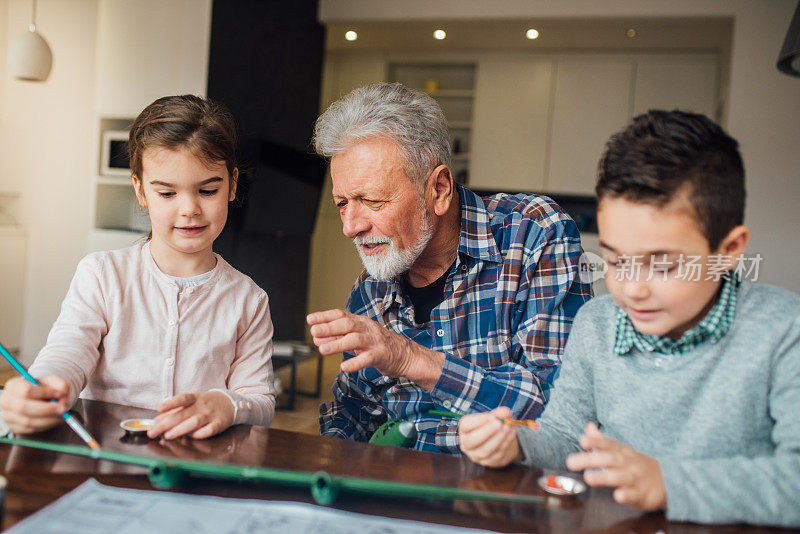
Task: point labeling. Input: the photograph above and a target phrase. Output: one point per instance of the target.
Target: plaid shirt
(712, 327)
(510, 298)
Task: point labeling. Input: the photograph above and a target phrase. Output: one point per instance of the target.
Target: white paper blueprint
(93, 508)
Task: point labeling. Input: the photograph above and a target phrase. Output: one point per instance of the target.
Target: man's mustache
(371, 240)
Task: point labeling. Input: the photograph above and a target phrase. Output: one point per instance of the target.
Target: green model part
(395, 432)
(166, 473)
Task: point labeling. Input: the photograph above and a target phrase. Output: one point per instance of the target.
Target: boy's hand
(200, 415)
(637, 477)
(27, 408)
(487, 441)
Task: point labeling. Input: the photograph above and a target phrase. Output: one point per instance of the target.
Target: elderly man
(464, 304)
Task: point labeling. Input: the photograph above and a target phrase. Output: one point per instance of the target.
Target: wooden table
(36, 478)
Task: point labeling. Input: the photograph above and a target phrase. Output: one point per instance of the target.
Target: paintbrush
(73, 423)
(514, 422)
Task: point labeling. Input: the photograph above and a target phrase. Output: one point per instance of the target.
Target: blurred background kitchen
(531, 90)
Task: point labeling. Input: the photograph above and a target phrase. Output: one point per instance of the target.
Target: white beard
(394, 262)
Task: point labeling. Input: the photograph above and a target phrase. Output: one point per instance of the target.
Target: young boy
(682, 385)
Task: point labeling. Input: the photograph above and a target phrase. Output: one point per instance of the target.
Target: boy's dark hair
(661, 151)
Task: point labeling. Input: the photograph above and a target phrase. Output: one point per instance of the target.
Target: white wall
(45, 136)
(763, 108)
(148, 49)
(110, 57)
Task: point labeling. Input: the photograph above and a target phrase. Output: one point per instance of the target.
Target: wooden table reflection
(36, 478)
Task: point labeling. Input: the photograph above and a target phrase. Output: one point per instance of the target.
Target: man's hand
(200, 415)
(374, 346)
(636, 477)
(27, 408)
(487, 441)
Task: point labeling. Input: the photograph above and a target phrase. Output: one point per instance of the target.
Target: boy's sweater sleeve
(250, 380)
(73, 344)
(571, 403)
(762, 490)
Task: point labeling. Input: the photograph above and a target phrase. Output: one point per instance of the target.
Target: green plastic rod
(165, 473)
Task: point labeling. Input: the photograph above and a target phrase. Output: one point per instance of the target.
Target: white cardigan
(128, 334)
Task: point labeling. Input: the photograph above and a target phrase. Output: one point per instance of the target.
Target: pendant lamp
(29, 56)
(789, 58)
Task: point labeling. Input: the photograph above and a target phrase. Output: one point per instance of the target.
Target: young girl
(169, 324)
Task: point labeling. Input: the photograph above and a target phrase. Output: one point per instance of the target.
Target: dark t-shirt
(425, 299)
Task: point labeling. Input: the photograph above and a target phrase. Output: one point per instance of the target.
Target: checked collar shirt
(509, 301)
(711, 328)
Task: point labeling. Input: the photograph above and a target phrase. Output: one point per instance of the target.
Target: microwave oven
(114, 160)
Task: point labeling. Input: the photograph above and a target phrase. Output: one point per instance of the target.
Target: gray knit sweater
(723, 420)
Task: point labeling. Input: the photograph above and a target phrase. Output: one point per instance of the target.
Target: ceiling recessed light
(351, 35)
(532, 34)
(631, 33)
(439, 34)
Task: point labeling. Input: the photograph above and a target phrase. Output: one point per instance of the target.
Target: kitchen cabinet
(452, 85)
(689, 82)
(539, 121)
(591, 100)
(510, 134)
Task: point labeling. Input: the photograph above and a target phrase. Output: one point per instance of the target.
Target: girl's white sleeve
(250, 379)
(72, 349)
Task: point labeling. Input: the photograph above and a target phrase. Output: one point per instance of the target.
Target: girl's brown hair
(203, 126)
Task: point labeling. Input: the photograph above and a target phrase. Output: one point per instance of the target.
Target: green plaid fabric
(712, 328)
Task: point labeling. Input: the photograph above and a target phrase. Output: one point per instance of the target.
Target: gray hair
(410, 118)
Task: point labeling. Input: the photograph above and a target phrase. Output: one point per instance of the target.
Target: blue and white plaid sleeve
(547, 300)
(355, 413)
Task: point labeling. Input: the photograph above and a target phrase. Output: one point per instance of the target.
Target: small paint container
(137, 426)
(561, 485)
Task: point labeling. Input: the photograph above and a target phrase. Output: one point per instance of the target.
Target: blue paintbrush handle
(17, 366)
(72, 422)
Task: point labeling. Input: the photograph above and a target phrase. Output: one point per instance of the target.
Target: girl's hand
(200, 415)
(487, 441)
(26, 408)
(637, 477)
